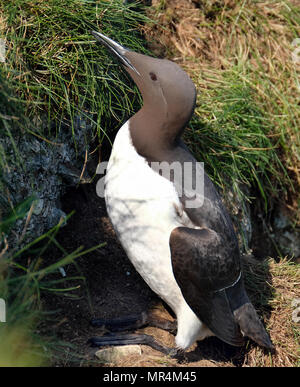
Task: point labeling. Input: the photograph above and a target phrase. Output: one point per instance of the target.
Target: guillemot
(188, 255)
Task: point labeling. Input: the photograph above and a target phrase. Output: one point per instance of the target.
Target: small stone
(296, 311)
(295, 302)
(38, 206)
(296, 315)
(115, 354)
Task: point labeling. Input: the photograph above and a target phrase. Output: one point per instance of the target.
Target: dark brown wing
(202, 267)
(208, 271)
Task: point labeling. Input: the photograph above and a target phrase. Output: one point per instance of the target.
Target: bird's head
(162, 83)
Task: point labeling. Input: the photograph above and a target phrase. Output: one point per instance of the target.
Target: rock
(117, 353)
(239, 210)
(296, 315)
(42, 169)
(285, 233)
(296, 311)
(295, 302)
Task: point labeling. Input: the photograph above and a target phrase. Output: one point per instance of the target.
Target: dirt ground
(112, 289)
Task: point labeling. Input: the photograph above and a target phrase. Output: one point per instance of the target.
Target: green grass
(247, 117)
(230, 133)
(54, 72)
(24, 278)
(54, 65)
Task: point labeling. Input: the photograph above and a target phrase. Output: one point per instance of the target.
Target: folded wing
(208, 271)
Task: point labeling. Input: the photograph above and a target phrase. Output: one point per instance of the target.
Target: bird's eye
(153, 76)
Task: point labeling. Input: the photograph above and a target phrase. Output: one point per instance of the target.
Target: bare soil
(112, 289)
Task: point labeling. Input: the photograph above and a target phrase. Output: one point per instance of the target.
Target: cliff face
(41, 171)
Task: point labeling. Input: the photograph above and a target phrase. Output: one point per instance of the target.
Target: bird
(181, 241)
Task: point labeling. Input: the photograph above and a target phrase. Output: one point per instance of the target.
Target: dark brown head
(168, 94)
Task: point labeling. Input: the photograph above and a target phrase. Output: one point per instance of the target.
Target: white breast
(142, 207)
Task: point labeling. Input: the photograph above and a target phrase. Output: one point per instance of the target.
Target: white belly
(142, 206)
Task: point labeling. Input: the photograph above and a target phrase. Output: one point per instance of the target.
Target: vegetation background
(241, 56)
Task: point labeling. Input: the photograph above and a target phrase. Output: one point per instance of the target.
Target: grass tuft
(24, 278)
(272, 287)
(54, 65)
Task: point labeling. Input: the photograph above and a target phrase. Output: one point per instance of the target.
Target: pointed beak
(118, 50)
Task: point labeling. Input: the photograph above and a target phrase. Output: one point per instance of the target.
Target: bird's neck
(154, 133)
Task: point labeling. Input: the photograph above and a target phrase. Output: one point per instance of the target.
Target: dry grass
(3, 25)
(252, 41)
(272, 286)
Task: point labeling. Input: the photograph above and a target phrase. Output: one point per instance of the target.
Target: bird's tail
(251, 326)
(246, 317)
